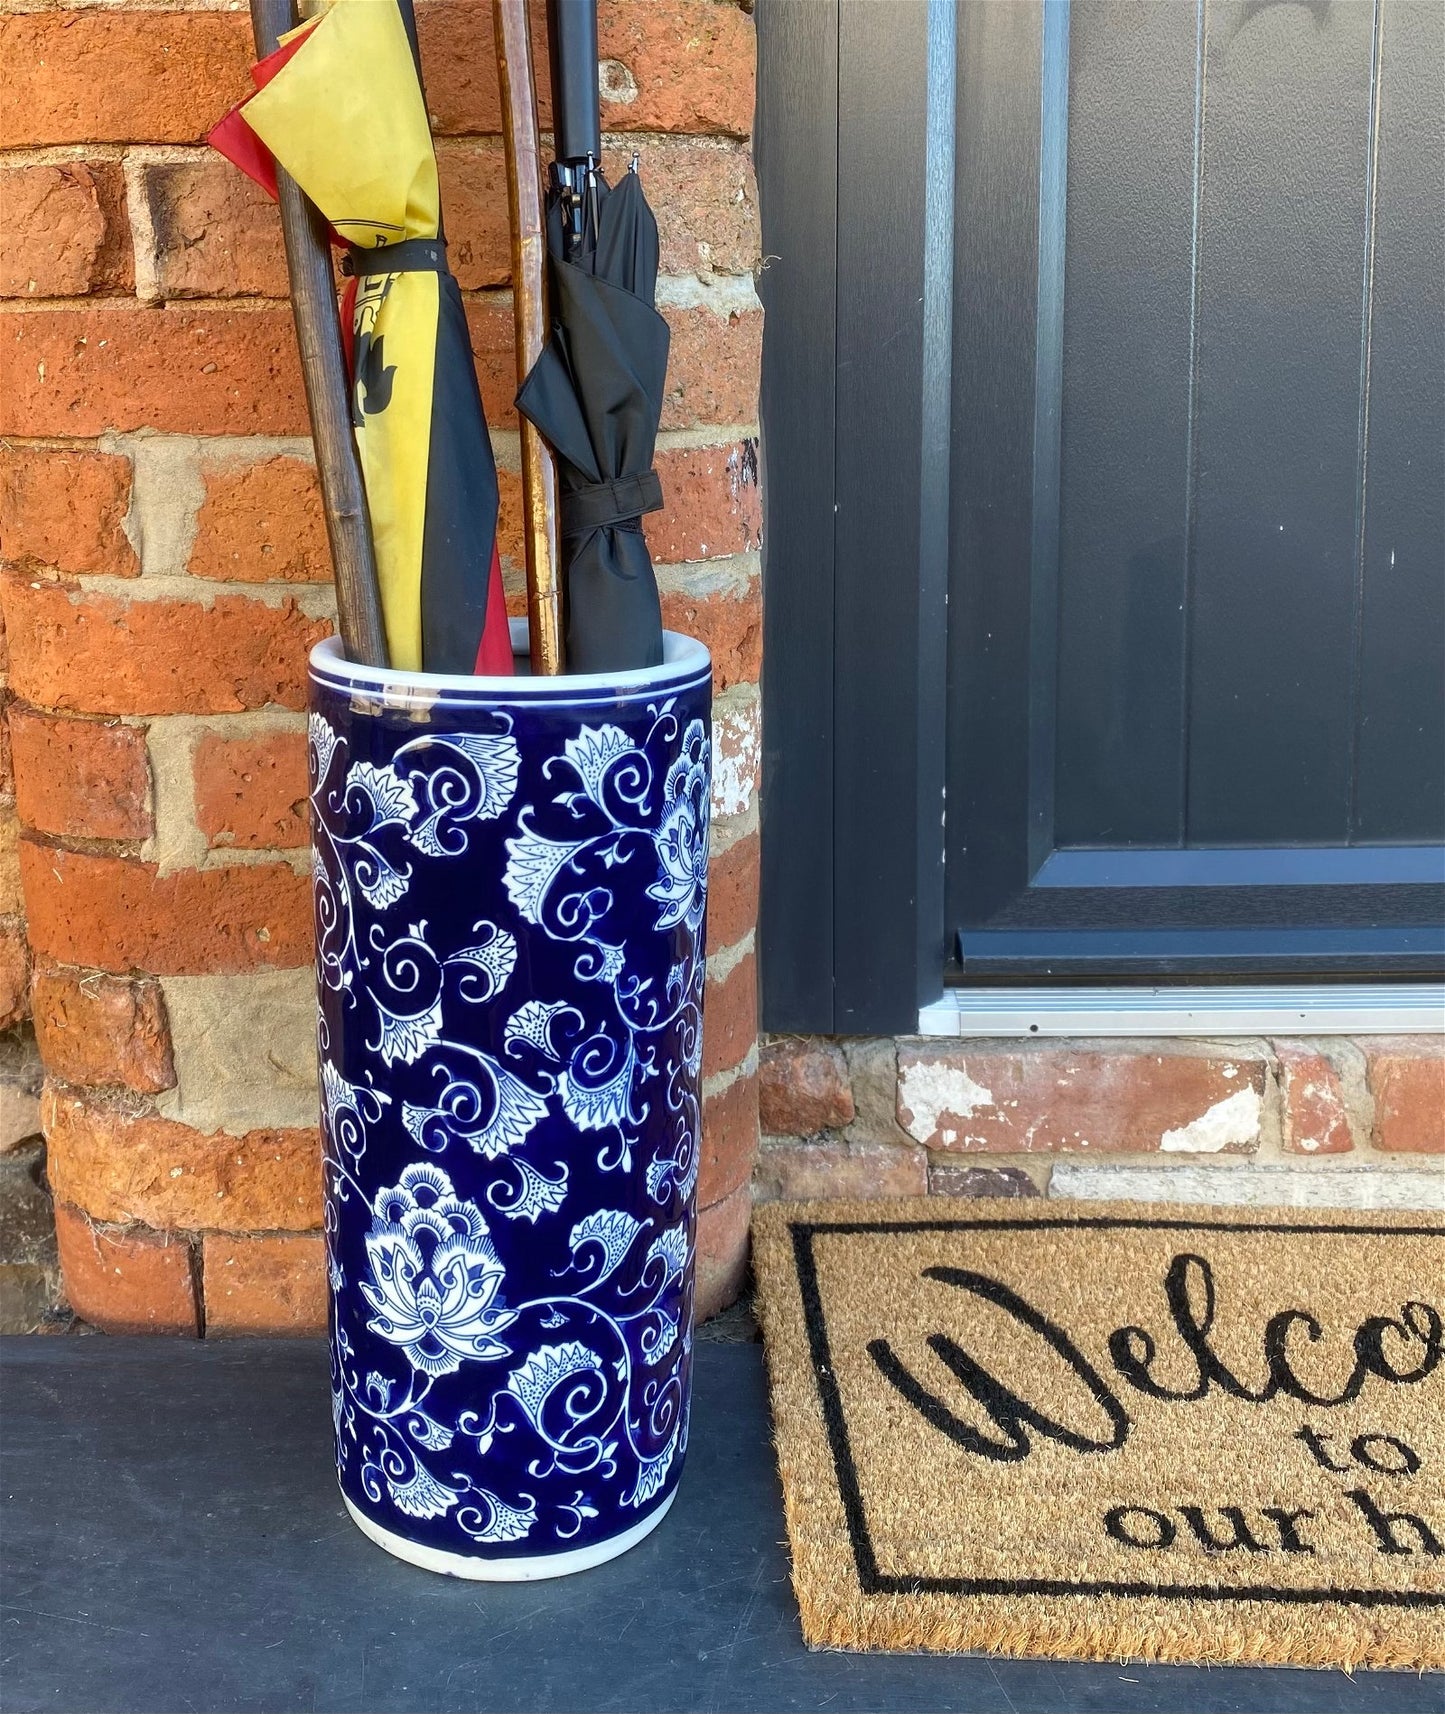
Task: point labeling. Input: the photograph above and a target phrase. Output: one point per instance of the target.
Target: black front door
(1104, 442)
(1197, 622)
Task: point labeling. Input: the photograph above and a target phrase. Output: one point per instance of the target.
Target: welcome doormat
(1120, 1431)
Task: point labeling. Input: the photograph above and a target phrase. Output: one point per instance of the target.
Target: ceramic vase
(510, 889)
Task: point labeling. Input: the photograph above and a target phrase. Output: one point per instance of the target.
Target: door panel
(1399, 709)
(1192, 705)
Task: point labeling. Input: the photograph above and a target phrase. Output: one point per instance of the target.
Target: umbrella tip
(632, 164)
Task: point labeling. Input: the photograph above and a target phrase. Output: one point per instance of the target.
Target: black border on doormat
(876, 1582)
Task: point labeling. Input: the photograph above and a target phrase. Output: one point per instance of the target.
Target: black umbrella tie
(620, 501)
(411, 256)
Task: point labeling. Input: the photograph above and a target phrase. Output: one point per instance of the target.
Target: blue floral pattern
(510, 901)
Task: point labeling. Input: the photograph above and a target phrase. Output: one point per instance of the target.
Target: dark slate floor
(173, 1540)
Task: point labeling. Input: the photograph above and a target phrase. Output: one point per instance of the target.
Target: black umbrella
(596, 391)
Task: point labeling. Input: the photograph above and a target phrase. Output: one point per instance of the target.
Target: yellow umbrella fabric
(345, 116)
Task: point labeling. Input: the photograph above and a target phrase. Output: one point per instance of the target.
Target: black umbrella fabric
(596, 395)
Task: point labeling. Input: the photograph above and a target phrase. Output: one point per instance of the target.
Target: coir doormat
(1114, 1431)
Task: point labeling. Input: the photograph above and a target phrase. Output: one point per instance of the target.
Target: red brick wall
(1334, 1122)
(165, 573)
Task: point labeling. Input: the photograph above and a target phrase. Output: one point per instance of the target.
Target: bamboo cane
(529, 299)
(328, 392)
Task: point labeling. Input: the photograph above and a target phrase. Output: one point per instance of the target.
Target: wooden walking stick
(328, 391)
(529, 299)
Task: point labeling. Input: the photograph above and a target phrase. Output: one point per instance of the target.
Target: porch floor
(173, 1540)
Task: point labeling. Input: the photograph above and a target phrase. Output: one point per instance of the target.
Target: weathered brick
(217, 233)
(185, 368)
(1407, 1078)
(712, 504)
(1314, 1120)
(12, 898)
(953, 1178)
(732, 893)
(807, 1171)
(722, 1252)
(730, 1018)
(98, 1029)
(84, 779)
(14, 973)
(701, 190)
(270, 1284)
(117, 914)
(126, 1281)
(251, 792)
(123, 1165)
(689, 66)
(21, 1076)
(104, 654)
(803, 1087)
(705, 198)
(66, 230)
(1066, 1098)
(729, 1139)
(262, 524)
(102, 76)
(63, 509)
(737, 751)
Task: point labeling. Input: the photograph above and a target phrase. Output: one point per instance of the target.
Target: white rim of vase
(529, 1570)
(684, 662)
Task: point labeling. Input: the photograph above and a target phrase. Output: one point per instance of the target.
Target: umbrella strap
(411, 256)
(598, 505)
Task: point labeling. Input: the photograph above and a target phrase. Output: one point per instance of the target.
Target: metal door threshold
(1310, 1009)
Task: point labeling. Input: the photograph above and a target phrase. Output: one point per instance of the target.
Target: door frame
(858, 254)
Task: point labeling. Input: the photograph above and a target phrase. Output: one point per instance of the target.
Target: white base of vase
(508, 1570)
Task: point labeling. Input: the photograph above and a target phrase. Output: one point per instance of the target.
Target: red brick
(712, 504)
(103, 654)
(712, 367)
(66, 230)
(1407, 1079)
(14, 974)
(819, 1170)
(732, 893)
(1313, 1116)
(262, 524)
(474, 205)
(186, 368)
(691, 61)
(217, 233)
(100, 76)
(803, 1087)
(1076, 1100)
(80, 778)
(729, 1139)
(117, 914)
(97, 1029)
(712, 370)
(64, 510)
(722, 1252)
(270, 1284)
(730, 1018)
(120, 1164)
(251, 792)
(126, 1281)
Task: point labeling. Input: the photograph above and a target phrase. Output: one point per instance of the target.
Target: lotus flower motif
(435, 1274)
(681, 840)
